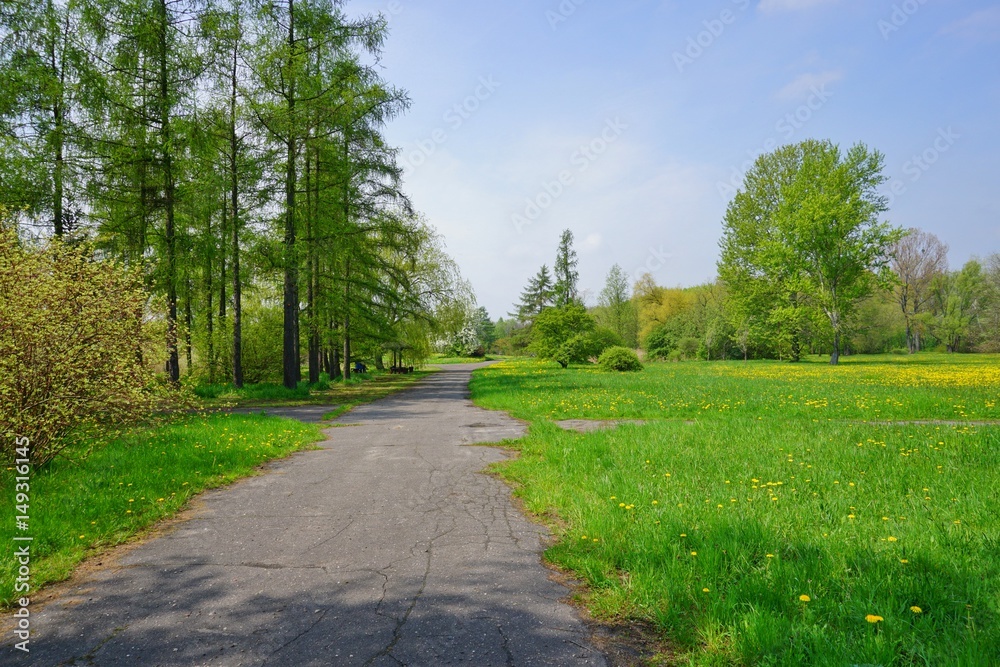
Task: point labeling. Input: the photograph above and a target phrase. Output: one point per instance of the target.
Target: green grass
(139, 478)
(791, 481)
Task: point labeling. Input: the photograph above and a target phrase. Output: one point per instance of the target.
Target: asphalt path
(386, 547)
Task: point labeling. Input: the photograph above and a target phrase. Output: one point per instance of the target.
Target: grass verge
(780, 528)
(78, 509)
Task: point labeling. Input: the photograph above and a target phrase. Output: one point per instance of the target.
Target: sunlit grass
(715, 530)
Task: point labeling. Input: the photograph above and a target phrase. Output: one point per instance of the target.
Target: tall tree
(567, 278)
(536, 297)
(808, 221)
(616, 300)
(42, 65)
(916, 259)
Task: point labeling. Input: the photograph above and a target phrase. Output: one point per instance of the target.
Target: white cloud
(790, 5)
(805, 84)
(981, 26)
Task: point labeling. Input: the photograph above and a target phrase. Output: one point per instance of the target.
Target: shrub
(73, 339)
(620, 359)
(562, 334)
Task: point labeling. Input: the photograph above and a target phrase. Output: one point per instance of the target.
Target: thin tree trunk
(223, 234)
(347, 319)
(173, 362)
(209, 296)
(188, 326)
(234, 194)
(291, 362)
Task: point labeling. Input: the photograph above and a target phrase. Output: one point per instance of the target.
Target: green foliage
(561, 334)
(803, 234)
(620, 359)
(73, 341)
(536, 297)
(616, 310)
(262, 330)
(566, 289)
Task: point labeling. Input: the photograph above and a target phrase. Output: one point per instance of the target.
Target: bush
(73, 339)
(563, 334)
(620, 359)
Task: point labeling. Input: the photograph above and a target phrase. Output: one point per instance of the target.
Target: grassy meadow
(774, 514)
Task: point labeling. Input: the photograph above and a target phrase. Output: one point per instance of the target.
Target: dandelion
(903, 561)
(704, 590)
(916, 610)
(770, 556)
(892, 539)
(805, 598)
(694, 553)
(872, 618)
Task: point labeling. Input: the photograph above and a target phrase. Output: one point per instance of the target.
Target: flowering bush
(72, 343)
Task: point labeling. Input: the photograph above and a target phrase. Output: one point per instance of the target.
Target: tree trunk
(173, 362)
(234, 195)
(209, 295)
(188, 326)
(337, 374)
(291, 361)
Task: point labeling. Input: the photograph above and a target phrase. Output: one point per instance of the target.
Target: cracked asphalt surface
(386, 547)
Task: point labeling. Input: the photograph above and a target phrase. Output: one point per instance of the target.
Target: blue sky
(628, 122)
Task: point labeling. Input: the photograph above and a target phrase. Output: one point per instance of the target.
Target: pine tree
(567, 277)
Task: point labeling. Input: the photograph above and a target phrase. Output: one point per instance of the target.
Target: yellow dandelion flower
(872, 618)
(704, 590)
(770, 556)
(805, 598)
(694, 553)
(916, 610)
(892, 539)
